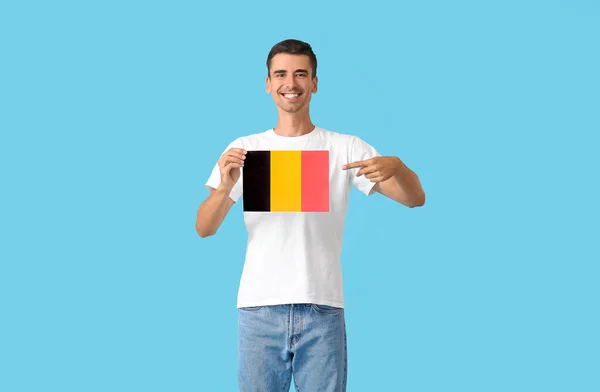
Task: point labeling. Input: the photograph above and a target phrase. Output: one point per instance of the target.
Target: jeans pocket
(326, 308)
(252, 308)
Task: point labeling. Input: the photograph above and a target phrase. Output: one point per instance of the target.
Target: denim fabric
(307, 341)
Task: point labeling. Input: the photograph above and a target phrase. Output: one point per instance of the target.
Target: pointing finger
(354, 164)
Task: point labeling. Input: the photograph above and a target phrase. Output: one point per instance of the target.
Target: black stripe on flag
(257, 181)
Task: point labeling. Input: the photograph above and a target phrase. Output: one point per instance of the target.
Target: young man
(290, 300)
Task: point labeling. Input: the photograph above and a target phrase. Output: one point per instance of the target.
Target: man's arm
(393, 179)
(404, 187)
(212, 212)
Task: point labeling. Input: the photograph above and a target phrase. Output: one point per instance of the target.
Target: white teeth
(290, 95)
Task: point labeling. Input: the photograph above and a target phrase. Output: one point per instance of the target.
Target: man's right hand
(230, 163)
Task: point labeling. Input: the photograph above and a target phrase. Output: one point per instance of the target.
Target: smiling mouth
(291, 96)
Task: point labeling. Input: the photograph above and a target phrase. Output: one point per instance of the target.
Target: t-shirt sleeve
(214, 180)
(360, 151)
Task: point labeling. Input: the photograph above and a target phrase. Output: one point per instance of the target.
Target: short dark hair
(293, 46)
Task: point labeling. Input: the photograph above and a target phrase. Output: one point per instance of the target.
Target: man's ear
(268, 85)
(315, 84)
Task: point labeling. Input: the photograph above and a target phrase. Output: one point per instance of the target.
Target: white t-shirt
(294, 257)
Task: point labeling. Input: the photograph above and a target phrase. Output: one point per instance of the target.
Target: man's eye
(300, 75)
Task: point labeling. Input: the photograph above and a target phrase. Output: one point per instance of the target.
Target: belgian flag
(286, 180)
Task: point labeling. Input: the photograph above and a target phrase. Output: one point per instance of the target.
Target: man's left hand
(376, 169)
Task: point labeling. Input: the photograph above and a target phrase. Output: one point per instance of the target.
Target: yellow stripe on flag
(286, 181)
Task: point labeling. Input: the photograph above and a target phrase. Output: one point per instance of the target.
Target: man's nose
(290, 81)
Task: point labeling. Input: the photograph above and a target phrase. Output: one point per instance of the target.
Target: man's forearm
(212, 212)
(410, 184)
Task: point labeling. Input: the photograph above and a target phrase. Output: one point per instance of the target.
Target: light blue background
(113, 114)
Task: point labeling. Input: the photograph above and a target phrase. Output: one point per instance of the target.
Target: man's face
(290, 82)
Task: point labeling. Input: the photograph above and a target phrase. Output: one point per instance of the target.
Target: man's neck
(293, 125)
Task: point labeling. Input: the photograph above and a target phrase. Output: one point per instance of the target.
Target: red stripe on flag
(315, 181)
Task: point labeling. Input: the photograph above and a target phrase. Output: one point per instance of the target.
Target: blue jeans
(307, 341)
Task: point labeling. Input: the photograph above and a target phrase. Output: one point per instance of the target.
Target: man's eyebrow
(279, 71)
(302, 70)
